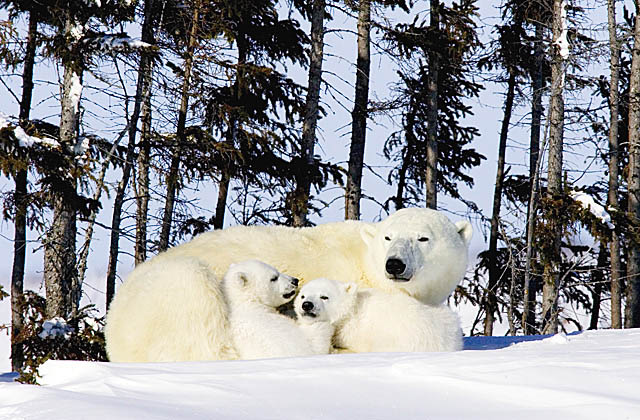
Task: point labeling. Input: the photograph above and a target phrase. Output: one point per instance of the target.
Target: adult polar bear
(419, 252)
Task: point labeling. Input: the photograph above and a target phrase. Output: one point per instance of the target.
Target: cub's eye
(302, 297)
(324, 297)
(386, 238)
(274, 278)
(423, 239)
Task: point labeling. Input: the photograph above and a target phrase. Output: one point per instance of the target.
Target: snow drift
(590, 375)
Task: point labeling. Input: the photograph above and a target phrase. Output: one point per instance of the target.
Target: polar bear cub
(253, 291)
(320, 305)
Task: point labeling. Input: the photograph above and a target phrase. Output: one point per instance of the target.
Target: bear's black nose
(295, 281)
(395, 266)
(307, 306)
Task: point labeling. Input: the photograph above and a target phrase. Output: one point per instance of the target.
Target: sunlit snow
(590, 204)
(562, 41)
(590, 375)
(117, 43)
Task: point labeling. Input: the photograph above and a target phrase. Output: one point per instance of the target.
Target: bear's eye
(324, 297)
(302, 297)
(423, 239)
(274, 278)
(386, 238)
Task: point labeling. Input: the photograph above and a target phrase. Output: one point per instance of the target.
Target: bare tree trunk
(172, 177)
(491, 303)
(614, 99)
(551, 275)
(359, 114)
(232, 133)
(598, 278)
(60, 275)
(431, 175)
(632, 310)
(143, 90)
(223, 193)
(142, 193)
(20, 202)
(406, 157)
(537, 84)
(300, 203)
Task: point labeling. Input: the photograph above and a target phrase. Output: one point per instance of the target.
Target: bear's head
(256, 281)
(325, 300)
(419, 251)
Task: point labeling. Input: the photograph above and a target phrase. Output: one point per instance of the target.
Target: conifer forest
(129, 126)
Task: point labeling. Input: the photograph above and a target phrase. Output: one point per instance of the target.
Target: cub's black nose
(307, 306)
(295, 281)
(395, 266)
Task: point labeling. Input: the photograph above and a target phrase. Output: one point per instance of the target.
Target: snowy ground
(591, 375)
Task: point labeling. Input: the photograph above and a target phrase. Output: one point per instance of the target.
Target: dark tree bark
(491, 304)
(614, 173)
(20, 202)
(301, 197)
(597, 277)
(537, 85)
(406, 157)
(173, 175)
(143, 89)
(359, 114)
(432, 115)
(60, 271)
(632, 310)
(142, 193)
(551, 275)
(232, 133)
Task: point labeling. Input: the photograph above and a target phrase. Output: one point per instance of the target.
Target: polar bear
(371, 320)
(395, 322)
(419, 252)
(253, 291)
(415, 252)
(321, 304)
(169, 312)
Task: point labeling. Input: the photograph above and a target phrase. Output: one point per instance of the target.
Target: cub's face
(255, 280)
(419, 251)
(325, 300)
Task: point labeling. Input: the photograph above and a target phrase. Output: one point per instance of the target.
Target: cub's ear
(240, 278)
(465, 231)
(367, 232)
(351, 288)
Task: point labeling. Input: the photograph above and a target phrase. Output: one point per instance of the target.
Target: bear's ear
(351, 288)
(367, 232)
(465, 231)
(241, 278)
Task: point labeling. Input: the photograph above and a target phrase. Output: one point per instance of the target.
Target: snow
(75, 91)
(55, 327)
(590, 375)
(25, 140)
(590, 204)
(119, 43)
(77, 31)
(82, 146)
(562, 43)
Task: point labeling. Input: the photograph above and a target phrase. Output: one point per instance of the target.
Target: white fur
(384, 322)
(350, 251)
(168, 312)
(319, 306)
(254, 290)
